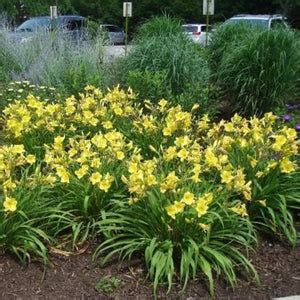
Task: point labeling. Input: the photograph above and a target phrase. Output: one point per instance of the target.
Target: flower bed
(187, 193)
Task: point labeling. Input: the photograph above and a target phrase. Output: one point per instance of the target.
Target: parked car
(115, 34)
(264, 21)
(73, 26)
(197, 32)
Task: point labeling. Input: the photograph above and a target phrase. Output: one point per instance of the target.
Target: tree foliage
(188, 10)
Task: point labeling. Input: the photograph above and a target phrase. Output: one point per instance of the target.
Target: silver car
(115, 34)
(262, 21)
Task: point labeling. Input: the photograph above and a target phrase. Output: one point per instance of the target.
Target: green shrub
(223, 38)
(154, 86)
(176, 55)
(73, 79)
(162, 48)
(159, 26)
(149, 85)
(257, 70)
(204, 96)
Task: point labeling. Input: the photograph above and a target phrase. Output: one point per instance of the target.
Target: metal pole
(126, 32)
(207, 21)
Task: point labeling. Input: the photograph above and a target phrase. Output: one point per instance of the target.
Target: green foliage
(172, 53)
(204, 96)
(273, 196)
(183, 192)
(257, 70)
(85, 204)
(164, 51)
(74, 79)
(8, 60)
(281, 194)
(153, 86)
(149, 85)
(224, 37)
(290, 188)
(189, 10)
(19, 9)
(92, 27)
(108, 284)
(70, 66)
(19, 90)
(177, 245)
(53, 60)
(165, 26)
(37, 221)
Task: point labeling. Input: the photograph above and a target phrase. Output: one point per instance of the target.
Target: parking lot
(113, 52)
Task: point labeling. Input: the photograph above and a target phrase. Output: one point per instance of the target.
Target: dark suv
(73, 26)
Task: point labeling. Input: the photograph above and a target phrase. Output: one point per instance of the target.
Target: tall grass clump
(159, 26)
(9, 60)
(53, 59)
(4, 21)
(223, 39)
(257, 70)
(62, 62)
(163, 52)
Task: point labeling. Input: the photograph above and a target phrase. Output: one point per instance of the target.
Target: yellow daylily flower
(10, 204)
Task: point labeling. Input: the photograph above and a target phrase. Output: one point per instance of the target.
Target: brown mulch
(75, 277)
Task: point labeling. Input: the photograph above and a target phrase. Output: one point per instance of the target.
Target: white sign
(127, 9)
(208, 7)
(53, 12)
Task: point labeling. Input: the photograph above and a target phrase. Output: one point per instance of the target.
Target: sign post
(53, 12)
(127, 12)
(208, 9)
(53, 15)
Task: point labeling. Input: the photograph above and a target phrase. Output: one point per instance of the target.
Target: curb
(288, 298)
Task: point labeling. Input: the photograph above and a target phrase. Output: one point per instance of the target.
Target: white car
(263, 21)
(197, 32)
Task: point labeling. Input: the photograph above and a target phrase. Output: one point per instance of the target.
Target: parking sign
(53, 12)
(127, 9)
(208, 7)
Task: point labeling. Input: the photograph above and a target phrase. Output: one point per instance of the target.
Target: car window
(111, 28)
(70, 23)
(74, 24)
(277, 23)
(252, 22)
(203, 28)
(35, 24)
(190, 28)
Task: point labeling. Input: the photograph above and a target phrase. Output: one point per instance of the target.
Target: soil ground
(75, 277)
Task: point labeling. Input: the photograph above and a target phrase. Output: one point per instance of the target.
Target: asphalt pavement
(113, 52)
